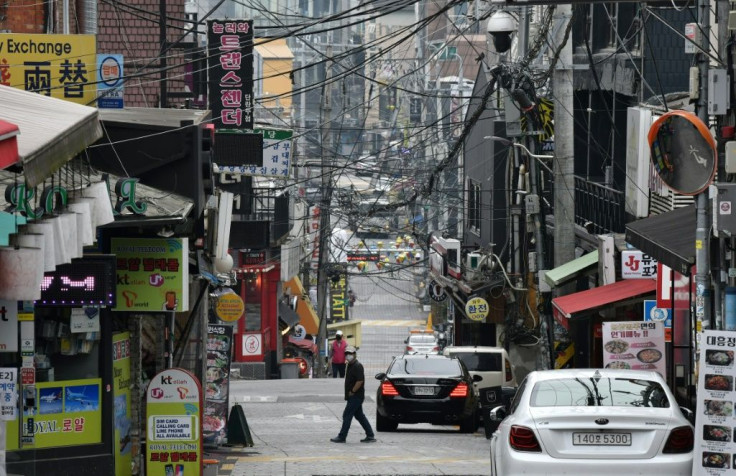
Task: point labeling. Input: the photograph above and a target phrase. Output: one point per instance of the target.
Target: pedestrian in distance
(354, 395)
(337, 355)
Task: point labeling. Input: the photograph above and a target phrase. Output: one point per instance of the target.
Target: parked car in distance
(421, 342)
(491, 363)
(592, 421)
(426, 389)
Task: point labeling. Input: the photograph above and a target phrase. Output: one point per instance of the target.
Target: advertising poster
(67, 413)
(110, 85)
(634, 345)
(714, 419)
(122, 444)
(152, 274)
(174, 411)
(217, 388)
(59, 66)
(8, 393)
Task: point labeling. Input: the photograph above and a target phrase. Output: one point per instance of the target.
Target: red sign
(664, 286)
(27, 375)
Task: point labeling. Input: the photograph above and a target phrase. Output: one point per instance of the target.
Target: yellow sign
(60, 66)
(476, 309)
(229, 307)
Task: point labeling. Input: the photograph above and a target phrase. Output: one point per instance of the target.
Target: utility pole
(324, 213)
(702, 223)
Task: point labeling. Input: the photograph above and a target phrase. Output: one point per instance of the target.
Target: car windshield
(480, 362)
(425, 367)
(422, 339)
(590, 392)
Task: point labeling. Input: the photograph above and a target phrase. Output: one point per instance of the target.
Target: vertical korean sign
(715, 448)
(634, 345)
(174, 411)
(152, 274)
(110, 85)
(230, 65)
(219, 345)
(121, 394)
(60, 66)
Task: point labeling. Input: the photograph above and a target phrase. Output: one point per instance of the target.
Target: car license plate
(601, 439)
(423, 390)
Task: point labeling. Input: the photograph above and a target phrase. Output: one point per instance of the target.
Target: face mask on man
(350, 357)
(338, 337)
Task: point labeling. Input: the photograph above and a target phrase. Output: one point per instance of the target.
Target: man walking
(337, 355)
(354, 394)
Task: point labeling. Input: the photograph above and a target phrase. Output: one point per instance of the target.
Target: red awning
(8, 144)
(566, 307)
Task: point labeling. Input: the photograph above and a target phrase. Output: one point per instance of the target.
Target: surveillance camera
(501, 27)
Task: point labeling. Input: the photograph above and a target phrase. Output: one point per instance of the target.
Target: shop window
(253, 303)
(64, 351)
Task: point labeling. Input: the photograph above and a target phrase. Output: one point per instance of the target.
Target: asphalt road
(292, 421)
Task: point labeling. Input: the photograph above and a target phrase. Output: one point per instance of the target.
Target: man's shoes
(337, 439)
(368, 439)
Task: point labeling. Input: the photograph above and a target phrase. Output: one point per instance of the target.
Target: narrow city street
(292, 421)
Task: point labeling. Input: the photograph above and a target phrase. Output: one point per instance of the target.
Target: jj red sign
(230, 61)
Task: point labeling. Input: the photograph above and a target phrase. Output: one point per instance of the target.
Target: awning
(52, 131)
(8, 144)
(307, 315)
(567, 307)
(287, 315)
(572, 269)
(668, 237)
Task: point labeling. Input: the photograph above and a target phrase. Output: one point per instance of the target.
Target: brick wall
(135, 35)
(22, 16)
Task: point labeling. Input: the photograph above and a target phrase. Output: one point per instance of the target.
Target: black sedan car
(426, 389)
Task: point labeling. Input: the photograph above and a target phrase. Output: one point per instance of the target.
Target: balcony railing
(598, 207)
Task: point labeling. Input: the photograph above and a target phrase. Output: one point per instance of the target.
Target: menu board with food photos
(219, 345)
(715, 448)
(634, 345)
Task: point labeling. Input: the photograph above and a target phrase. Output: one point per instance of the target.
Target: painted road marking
(260, 398)
(363, 459)
(393, 323)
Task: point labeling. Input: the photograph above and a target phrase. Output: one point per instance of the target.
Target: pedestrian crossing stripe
(393, 323)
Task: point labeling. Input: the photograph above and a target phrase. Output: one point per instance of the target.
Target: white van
(491, 363)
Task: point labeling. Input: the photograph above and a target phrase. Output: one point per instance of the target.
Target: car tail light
(460, 391)
(522, 438)
(435, 349)
(388, 390)
(507, 368)
(409, 348)
(680, 441)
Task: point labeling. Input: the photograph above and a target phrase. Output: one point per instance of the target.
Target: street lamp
(539, 157)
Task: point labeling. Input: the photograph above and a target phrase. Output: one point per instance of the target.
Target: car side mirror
(477, 378)
(498, 414)
(406, 341)
(380, 376)
(688, 414)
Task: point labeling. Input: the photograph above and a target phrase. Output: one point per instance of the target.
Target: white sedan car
(592, 422)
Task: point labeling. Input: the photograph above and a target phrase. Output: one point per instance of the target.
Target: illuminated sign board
(363, 256)
(84, 281)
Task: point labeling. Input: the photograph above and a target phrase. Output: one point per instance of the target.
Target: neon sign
(85, 281)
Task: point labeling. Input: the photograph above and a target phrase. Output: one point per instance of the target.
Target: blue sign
(110, 81)
(654, 313)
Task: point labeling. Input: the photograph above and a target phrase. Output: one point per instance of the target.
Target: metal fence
(598, 208)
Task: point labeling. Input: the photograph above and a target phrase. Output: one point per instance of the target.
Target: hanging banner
(8, 393)
(230, 66)
(8, 326)
(174, 410)
(634, 345)
(219, 345)
(152, 274)
(121, 397)
(714, 419)
(59, 66)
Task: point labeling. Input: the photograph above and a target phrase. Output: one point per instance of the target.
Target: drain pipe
(89, 17)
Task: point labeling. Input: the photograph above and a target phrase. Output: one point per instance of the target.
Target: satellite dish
(683, 152)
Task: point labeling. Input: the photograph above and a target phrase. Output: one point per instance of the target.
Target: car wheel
(470, 424)
(384, 424)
